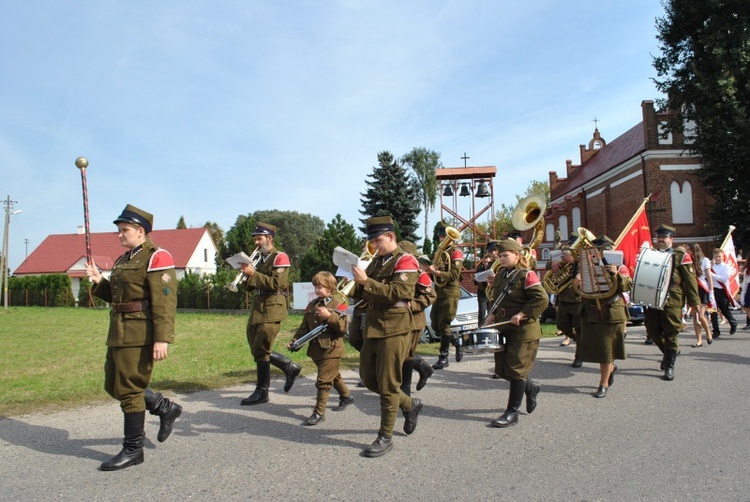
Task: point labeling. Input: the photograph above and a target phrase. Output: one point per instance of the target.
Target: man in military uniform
(663, 326)
(568, 301)
(142, 291)
(490, 255)
(447, 280)
(387, 286)
(269, 279)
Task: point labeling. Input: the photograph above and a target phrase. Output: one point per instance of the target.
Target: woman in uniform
(327, 349)
(522, 299)
(142, 291)
(603, 324)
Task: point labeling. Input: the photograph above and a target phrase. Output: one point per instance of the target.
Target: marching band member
(663, 326)
(327, 349)
(448, 288)
(387, 286)
(270, 281)
(142, 291)
(522, 299)
(568, 301)
(602, 334)
(720, 275)
(424, 296)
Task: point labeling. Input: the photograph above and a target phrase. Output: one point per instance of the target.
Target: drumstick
(497, 324)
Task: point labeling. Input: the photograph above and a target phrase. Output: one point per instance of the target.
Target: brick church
(604, 191)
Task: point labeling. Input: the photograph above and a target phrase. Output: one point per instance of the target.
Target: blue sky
(210, 110)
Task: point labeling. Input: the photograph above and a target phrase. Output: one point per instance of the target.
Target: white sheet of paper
(483, 276)
(238, 259)
(614, 257)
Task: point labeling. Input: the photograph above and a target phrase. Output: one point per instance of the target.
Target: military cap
(665, 231)
(424, 259)
(264, 229)
(409, 247)
(509, 245)
(135, 216)
(379, 225)
(603, 241)
(572, 238)
(491, 246)
(514, 235)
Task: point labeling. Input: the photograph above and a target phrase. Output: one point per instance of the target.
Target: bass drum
(653, 271)
(485, 340)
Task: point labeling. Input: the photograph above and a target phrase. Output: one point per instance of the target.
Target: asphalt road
(647, 440)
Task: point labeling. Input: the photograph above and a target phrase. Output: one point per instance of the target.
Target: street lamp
(8, 214)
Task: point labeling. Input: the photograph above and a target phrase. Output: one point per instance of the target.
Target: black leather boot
(442, 362)
(290, 369)
(260, 395)
(425, 371)
(132, 445)
(458, 342)
(410, 424)
(406, 371)
(532, 389)
(380, 446)
(510, 417)
(166, 410)
(670, 357)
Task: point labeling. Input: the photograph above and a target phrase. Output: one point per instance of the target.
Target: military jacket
(683, 286)
(330, 343)
(526, 295)
(448, 285)
(270, 282)
(612, 310)
(424, 296)
(144, 273)
(388, 291)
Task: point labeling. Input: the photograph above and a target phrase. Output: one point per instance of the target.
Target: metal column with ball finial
(82, 163)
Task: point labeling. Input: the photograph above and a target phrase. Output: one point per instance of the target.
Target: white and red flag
(730, 259)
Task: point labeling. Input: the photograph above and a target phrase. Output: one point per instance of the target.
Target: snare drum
(485, 340)
(653, 271)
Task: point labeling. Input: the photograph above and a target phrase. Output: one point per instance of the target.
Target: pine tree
(392, 192)
(320, 256)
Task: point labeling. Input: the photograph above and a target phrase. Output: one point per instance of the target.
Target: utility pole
(5, 263)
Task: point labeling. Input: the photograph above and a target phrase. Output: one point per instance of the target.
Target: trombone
(254, 259)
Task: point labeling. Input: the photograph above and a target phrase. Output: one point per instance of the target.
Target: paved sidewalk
(647, 440)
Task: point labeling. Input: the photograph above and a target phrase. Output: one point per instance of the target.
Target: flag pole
(632, 220)
(729, 234)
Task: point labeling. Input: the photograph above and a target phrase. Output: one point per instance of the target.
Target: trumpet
(254, 259)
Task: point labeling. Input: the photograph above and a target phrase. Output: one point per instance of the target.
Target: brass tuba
(557, 282)
(442, 259)
(529, 213)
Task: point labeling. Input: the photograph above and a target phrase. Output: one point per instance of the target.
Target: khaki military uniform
(357, 327)
(327, 349)
(142, 290)
(448, 288)
(603, 324)
(527, 295)
(389, 323)
(270, 282)
(424, 296)
(663, 326)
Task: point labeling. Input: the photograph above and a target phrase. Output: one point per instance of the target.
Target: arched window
(549, 232)
(576, 217)
(682, 202)
(545, 253)
(563, 224)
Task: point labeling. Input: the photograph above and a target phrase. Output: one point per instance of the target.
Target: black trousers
(722, 304)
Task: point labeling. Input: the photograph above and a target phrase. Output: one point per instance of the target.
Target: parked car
(637, 313)
(467, 317)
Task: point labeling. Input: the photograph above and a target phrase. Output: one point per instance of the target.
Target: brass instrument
(529, 213)
(557, 282)
(596, 282)
(254, 259)
(442, 259)
(345, 286)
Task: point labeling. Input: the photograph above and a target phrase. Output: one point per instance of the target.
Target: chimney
(80, 229)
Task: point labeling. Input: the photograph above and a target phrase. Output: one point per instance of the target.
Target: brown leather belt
(270, 293)
(134, 306)
(376, 305)
(509, 312)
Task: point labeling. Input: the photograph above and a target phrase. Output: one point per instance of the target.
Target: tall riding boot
(515, 398)
(166, 410)
(290, 369)
(532, 389)
(442, 362)
(425, 371)
(260, 395)
(671, 357)
(132, 445)
(406, 372)
(458, 342)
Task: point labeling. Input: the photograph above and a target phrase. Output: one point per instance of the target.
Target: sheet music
(483, 276)
(614, 257)
(345, 259)
(238, 259)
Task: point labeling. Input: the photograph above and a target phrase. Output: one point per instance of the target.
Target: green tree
(217, 234)
(423, 163)
(320, 256)
(394, 193)
(240, 236)
(181, 223)
(704, 69)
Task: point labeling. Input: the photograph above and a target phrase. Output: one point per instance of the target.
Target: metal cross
(596, 122)
(465, 158)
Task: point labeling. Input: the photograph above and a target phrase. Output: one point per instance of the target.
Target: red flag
(730, 259)
(633, 237)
